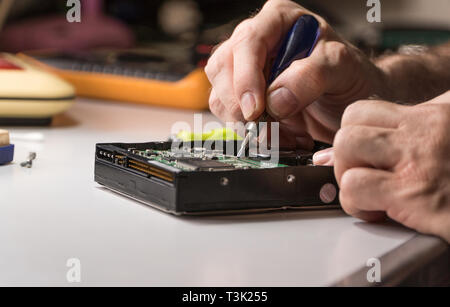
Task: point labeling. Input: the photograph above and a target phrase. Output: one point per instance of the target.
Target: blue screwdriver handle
(298, 44)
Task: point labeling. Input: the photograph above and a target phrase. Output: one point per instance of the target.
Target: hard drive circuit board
(202, 159)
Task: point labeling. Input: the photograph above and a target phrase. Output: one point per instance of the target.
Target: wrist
(396, 84)
(413, 75)
(382, 83)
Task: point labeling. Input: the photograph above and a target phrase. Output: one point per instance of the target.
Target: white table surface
(55, 211)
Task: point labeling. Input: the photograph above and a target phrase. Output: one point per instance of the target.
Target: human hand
(309, 97)
(395, 160)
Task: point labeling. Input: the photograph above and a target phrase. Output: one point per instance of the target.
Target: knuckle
(217, 61)
(339, 140)
(215, 111)
(342, 138)
(282, 6)
(214, 103)
(348, 181)
(326, 30)
(240, 43)
(218, 114)
(337, 53)
(348, 190)
(217, 47)
(384, 139)
(235, 111)
(273, 5)
(347, 202)
(352, 112)
(438, 116)
(243, 30)
(317, 74)
(211, 68)
(399, 214)
(346, 205)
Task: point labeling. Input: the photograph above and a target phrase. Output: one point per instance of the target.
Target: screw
(290, 178)
(224, 181)
(29, 162)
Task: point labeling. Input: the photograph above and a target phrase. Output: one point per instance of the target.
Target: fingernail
(324, 157)
(248, 104)
(281, 102)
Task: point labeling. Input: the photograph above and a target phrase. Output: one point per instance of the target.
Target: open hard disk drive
(193, 178)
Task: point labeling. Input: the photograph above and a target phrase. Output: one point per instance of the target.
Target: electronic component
(192, 178)
(225, 134)
(199, 164)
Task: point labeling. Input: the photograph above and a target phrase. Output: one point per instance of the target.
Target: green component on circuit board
(219, 134)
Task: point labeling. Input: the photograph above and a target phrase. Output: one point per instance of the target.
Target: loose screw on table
(29, 162)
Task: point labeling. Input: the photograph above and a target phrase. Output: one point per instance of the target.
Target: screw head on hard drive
(290, 178)
(224, 181)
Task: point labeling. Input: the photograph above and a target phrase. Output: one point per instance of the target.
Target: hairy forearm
(416, 77)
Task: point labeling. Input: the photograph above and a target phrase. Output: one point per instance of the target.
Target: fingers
(330, 66)
(235, 69)
(373, 113)
(365, 150)
(324, 157)
(367, 193)
(298, 86)
(220, 74)
(367, 137)
(362, 146)
(216, 106)
(248, 79)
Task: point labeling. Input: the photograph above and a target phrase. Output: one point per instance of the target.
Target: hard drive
(194, 178)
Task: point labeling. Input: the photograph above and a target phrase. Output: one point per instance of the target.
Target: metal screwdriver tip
(244, 144)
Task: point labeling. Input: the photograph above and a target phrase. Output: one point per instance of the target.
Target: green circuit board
(201, 159)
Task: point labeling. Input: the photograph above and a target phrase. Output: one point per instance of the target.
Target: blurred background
(33, 24)
(170, 40)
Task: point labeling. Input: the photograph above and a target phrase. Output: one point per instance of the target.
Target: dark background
(403, 21)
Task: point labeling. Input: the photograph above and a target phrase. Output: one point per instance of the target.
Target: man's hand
(309, 97)
(395, 160)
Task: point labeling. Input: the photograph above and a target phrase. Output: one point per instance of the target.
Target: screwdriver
(298, 44)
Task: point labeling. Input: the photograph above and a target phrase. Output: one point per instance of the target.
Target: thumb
(332, 67)
(297, 87)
